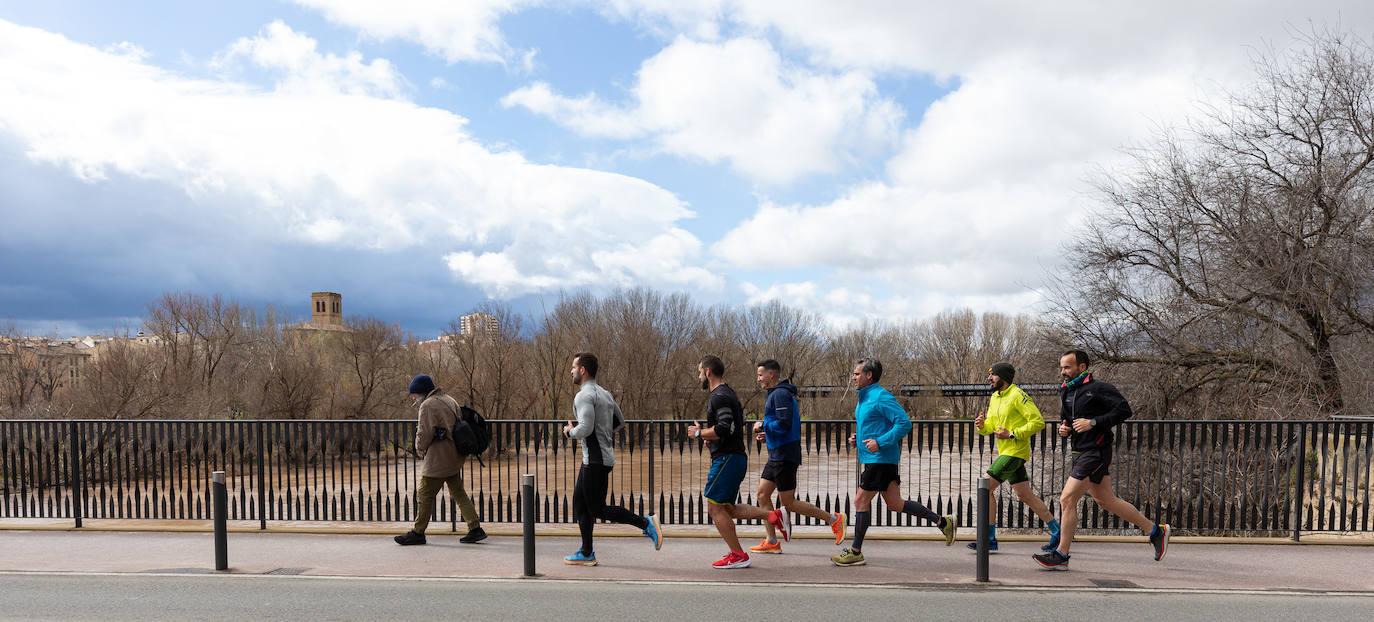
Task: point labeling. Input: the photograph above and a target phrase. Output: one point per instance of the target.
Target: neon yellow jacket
(1012, 409)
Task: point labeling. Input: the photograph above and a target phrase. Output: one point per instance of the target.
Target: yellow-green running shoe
(848, 557)
(949, 529)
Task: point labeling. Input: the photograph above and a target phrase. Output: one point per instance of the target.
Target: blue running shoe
(578, 559)
(652, 532)
(992, 546)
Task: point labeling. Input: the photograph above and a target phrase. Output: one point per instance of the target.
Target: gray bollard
(983, 520)
(527, 500)
(221, 495)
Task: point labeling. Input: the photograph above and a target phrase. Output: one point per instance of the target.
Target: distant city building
(480, 324)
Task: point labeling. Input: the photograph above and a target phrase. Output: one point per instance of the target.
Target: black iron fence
(1208, 477)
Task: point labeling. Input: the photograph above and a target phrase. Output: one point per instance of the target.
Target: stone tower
(326, 308)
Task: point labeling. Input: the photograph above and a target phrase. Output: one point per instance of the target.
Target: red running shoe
(782, 522)
(733, 559)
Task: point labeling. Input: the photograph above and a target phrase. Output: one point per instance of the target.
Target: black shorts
(782, 474)
(1092, 464)
(878, 476)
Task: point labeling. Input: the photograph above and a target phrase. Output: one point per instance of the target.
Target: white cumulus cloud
(343, 163)
(455, 30)
(736, 101)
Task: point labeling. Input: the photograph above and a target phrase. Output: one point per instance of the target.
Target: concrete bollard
(527, 500)
(221, 510)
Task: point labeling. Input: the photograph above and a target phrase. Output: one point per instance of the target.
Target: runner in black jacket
(1089, 409)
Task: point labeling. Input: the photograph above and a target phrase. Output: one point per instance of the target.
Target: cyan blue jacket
(782, 423)
(878, 416)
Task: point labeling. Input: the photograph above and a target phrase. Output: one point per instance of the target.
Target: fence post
(221, 497)
(527, 500)
(653, 449)
(262, 476)
(1302, 477)
(78, 487)
(983, 520)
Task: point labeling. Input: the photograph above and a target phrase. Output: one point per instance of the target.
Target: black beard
(705, 384)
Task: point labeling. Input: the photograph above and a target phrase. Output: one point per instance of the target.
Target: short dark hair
(587, 361)
(871, 365)
(713, 364)
(771, 365)
(1079, 357)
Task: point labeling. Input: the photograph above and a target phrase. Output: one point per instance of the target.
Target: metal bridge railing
(1206, 477)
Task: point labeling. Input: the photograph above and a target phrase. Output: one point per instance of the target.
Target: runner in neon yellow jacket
(1013, 418)
(1012, 410)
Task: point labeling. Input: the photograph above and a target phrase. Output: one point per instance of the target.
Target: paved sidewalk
(893, 559)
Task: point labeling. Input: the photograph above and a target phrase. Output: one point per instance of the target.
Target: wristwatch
(698, 433)
(1012, 435)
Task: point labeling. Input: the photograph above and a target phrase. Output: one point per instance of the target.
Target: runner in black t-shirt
(724, 436)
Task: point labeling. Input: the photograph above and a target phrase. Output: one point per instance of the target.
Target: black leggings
(589, 504)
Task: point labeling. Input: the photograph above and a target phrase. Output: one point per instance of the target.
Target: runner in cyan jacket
(781, 432)
(882, 423)
(1013, 418)
(1089, 409)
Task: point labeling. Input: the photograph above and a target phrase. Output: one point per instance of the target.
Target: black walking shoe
(410, 538)
(1159, 539)
(1053, 560)
(473, 535)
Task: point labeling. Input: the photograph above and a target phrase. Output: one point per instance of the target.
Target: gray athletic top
(598, 417)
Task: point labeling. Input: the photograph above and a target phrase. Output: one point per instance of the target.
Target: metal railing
(1208, 477)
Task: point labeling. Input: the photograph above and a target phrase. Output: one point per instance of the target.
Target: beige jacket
(438, 458)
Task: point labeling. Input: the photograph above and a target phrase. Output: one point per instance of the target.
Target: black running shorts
(878, 476)
(1092, 464)
(782, 474)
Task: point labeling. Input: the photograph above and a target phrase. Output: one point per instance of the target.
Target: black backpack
(471, 436)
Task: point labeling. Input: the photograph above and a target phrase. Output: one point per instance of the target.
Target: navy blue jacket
(782, 423)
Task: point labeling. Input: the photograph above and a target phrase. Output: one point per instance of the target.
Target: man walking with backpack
(598, 418)
(440, 462)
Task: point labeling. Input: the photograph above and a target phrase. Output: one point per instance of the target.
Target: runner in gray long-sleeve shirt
(598, 417)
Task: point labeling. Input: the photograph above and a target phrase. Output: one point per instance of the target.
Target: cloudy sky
(864, 159)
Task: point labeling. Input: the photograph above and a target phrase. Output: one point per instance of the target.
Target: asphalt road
(61, 596)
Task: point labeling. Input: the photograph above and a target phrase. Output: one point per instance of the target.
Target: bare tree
(18, 369)
(1237, 254)
(122, 382)
(370, 351)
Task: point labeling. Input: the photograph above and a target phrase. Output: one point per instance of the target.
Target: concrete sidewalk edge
(963, 585)
(690, 531)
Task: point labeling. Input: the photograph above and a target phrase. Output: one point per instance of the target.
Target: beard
(705, 384)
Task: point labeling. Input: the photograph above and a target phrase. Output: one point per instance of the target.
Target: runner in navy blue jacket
(781, 432)
(1089, 409)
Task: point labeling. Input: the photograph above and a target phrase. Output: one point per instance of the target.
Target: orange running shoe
(837, 525)
(765, 546)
